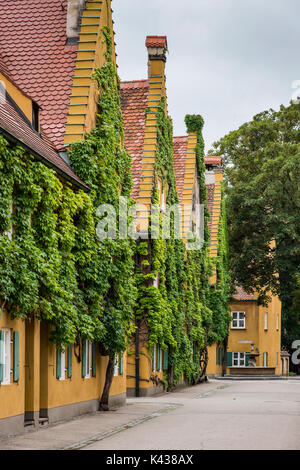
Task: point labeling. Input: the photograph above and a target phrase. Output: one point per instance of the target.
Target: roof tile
(32, 43)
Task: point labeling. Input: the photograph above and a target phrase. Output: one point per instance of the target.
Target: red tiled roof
(179, 149)
(156, 41)
(242, 295)
(33, 50)
(12, 123)
(134, 99)
(213, 160)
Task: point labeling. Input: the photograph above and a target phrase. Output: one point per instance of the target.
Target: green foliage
(55, 267)
(178, 312)
(104, 164)
(53, 239)
(263, 206)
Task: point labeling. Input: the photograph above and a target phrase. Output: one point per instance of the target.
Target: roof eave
(44, 160)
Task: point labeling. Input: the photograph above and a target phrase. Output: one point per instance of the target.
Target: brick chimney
(75, 8)
(157, 48)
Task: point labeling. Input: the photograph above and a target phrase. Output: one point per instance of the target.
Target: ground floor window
(265, 359)
(5, 355)
(238, 359)
(118, 369)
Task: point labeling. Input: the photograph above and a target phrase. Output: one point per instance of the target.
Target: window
(155, 281)
(88, 358)
(238, 320)
(265, 359)
(117, 365)
(62, 366)
(5, 355)
(277, 357)
(35, 117)
(277, 322)
(154, 358)
(238, 359)
(266, 320)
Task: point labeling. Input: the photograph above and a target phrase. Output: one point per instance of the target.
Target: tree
(263, 202)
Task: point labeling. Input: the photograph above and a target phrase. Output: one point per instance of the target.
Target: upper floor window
(238, 320)
(35, 117)
(277, 322)
(266, 320)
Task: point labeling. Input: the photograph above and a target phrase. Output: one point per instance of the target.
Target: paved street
(216, 415)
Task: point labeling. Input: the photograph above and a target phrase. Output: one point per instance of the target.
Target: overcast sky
(228, 59)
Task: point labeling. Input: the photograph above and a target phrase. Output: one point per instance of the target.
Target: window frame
(266, 321)
(88, 359)
(241, 357)
(62, 365)
(117, 365)
(7, 353)
(238, 320)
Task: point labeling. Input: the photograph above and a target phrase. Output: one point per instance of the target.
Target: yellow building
(47, 101)
(253, 346)
(140, 100)
(254, 336)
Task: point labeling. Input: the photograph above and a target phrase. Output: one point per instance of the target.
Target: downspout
(137, 361)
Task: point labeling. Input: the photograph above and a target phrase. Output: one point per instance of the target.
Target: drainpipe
(137, 362)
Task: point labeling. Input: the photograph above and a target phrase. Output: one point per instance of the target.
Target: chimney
(157, 47)
(75, 8)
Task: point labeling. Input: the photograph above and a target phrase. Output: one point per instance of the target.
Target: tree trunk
(108, 381)
(224, 362)
(170, 378)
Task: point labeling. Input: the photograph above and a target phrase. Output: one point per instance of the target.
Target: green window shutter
(229, 359)
(94, 362)
(16, 364)
(121, 363)
(70, 356)
(1, 355)
(267, 354)
(158, 358)
(153, 358)
(84, 358)
(246, 360)
(165, 360)
(218, 356)
(58, 363)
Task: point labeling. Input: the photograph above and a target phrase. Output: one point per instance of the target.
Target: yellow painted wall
(212, 367)
(24, 103)
(84, 95)
(12, 396)
(78, 389)
(146, 372)
(265, 340)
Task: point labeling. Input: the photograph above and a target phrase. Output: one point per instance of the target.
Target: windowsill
(238, 328)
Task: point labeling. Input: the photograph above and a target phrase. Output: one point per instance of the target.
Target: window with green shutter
(84, 358)
(94, 359)
(16, 359)
(121, 363)
(158, 359)
(70, 357)
(58, 364)
(153, 358)
(229, 359)
(165, 360)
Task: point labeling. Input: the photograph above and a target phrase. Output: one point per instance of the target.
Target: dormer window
(35, 117)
